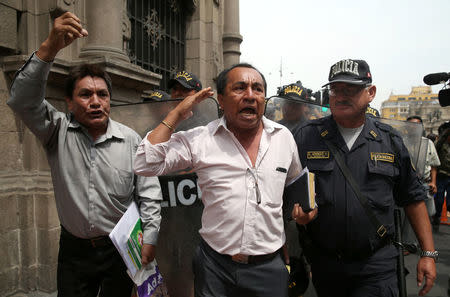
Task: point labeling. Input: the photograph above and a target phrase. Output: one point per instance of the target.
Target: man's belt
(95, 242)
(249, 259)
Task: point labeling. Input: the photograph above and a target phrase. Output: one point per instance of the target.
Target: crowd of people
(243, 161)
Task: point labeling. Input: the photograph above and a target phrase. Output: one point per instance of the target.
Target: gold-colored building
(421, 102)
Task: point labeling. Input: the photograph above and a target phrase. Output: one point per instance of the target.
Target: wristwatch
(430, 254)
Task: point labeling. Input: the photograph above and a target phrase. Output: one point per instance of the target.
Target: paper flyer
(128, 237)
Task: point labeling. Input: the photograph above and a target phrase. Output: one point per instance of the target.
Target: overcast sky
(402, 40)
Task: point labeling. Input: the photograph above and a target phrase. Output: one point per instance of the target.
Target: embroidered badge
(324, 133)
(373, 134)
(384, 157)
(318, 155)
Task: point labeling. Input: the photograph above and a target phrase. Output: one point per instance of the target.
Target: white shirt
(432, 159)
(233, 221)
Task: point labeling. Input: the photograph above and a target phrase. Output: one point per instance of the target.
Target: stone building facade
(29, 225)
(421, 102)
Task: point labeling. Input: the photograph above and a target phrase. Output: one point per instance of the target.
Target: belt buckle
(239, 258)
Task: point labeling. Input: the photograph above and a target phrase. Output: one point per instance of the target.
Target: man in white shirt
(243, 162)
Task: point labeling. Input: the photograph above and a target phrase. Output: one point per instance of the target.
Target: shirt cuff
(151, 236)
(154, 153)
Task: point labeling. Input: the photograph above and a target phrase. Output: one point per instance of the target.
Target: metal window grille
(157, 36)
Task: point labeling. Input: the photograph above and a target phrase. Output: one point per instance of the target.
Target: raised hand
(66, 29)
(184, 109)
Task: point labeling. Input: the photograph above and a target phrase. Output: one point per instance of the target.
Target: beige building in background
(140, 47)
(421, 102)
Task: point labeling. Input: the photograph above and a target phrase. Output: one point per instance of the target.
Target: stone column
(231, 37)
(104, 23)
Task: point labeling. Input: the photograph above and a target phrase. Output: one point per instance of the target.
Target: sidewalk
(442, 244)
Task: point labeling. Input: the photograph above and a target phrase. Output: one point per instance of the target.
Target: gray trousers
(217, 275)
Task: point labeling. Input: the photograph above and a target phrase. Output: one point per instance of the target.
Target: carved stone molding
(26, 181)
(69, 2)
(126, 26)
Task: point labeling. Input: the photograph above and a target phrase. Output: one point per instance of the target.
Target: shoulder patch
(324, 133)
(373, 134)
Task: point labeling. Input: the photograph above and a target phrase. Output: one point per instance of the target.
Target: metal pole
(400, 259)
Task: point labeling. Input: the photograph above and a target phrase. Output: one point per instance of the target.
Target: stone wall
(29, 225)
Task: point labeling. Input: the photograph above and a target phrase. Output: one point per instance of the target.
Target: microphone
(444, 97)
(436, 78)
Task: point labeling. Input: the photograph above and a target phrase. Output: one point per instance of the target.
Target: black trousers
(217, 275)
(88, 271)
(373, 277)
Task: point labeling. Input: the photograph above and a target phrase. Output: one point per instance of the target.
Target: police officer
(156, 95)
(350, 257)
(294, 108)
(184, 84)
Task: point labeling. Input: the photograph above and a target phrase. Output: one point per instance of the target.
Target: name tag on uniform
(318, 155)
(384, 157)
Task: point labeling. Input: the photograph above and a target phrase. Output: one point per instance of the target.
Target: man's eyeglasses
(347, 91)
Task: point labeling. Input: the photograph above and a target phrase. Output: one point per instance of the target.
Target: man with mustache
(243, 162)
(362, 169)
(91, 160)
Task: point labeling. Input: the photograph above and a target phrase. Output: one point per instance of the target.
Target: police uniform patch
(318, 155)
(384, 157)
(373, 134)
(324, 133)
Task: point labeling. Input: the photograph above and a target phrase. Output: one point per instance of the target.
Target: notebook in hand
(301, 190)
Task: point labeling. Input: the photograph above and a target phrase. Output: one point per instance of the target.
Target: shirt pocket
(122, 184)
(380, 187)
(323, 179)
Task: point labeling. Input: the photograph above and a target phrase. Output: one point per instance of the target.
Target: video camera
(439, 78)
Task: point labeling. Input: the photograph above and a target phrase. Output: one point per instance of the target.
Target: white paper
(147, 278)
(121, 232)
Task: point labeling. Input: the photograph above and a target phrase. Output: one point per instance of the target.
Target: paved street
(442, 243)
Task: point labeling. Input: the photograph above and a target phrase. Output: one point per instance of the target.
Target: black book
(301, 190)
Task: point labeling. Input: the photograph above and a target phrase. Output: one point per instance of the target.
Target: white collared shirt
(232, 221)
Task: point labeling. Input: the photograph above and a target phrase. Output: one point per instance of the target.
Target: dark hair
(443, 127)
(414, 117)
(222, 78)
(82, 71)
(432, 136)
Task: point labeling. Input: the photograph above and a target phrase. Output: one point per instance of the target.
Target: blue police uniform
(350, 258)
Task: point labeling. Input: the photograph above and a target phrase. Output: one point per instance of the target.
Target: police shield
(181, 206)
(293, 112)
(412, 137)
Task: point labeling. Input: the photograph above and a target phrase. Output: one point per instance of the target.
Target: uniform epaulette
(383, 126)
(387, 128)
(315, 122)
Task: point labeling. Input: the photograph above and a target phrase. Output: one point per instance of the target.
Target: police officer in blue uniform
(352, 257)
